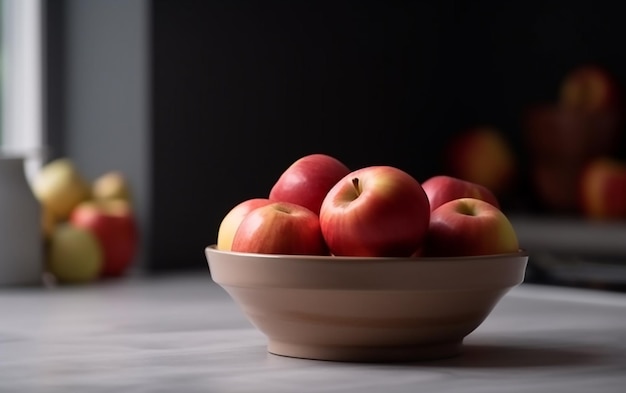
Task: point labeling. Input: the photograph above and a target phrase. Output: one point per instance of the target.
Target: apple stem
(357, 185)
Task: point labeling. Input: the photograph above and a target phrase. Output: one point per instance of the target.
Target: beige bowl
(365, 309)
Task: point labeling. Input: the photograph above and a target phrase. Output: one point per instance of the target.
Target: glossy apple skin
(442, 188)
(114, 225)
(233, 218)
(469, 227)
(280, 228)
(385, 215)
(603, 189)
(307, 181)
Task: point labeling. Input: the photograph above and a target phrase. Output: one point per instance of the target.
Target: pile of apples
(593, 93)
(318, 206)
(90, 229)
(575, 161)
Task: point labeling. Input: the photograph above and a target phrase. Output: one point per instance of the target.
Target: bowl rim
(328, 258)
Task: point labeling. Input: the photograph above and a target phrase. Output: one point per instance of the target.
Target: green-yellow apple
(603, 189)
(280, 228)
(111, 185)
(589, 88)
(375, 211)
(113, 223)
(60, 187)
(442, 188)
(232, 219)
(482, 155)
(307, 181)
(469, 227)
(74, 255)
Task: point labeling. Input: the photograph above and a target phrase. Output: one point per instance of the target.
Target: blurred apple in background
(375, 211)
(307, 181)
(442, 188)
(111, 185)
(563, 137)
(555, 184)
(74, 255)
(603, 189)
(482, 155)
(557, 141)
(280, 228)
(113, 224)
(59, 186)
(468, 227)
(589, 88)
(560, 143)
(232, 219)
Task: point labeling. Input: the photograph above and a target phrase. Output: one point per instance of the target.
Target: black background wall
(241, 89)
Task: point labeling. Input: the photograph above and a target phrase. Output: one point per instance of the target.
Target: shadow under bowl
(365, 309)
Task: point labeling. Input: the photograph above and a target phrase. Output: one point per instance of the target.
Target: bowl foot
(366, 354)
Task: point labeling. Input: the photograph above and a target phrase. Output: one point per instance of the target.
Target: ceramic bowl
(365, 309)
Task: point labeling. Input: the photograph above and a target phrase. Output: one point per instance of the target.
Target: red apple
(233, 218)
(113, 223)
(468, 227)
(589, 88)
(441, 189)
(483, 156)
(376, 211)
(603, 189)
(280, 228)
(307, 181)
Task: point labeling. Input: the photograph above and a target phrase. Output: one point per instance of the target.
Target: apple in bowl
(232, 219)
(280, 228)
(307, 181)
(375, 211)
(442, 188)
(469, 227)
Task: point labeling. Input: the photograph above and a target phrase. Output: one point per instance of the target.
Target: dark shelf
(574, 251)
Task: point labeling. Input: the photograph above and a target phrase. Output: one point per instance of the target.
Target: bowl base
(366, 354)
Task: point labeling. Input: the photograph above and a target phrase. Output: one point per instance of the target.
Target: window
(21, 87)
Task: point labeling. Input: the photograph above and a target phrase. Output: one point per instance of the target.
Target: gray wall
(105, 88)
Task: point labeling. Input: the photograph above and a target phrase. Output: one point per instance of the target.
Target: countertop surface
(183, 333)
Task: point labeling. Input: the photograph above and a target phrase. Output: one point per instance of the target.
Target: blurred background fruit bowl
(89, 227)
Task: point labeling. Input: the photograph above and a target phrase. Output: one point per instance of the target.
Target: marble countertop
(183, 333)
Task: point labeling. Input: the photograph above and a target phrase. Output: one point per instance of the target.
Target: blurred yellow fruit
(60, 187)
(74, 255)
(111, 185)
